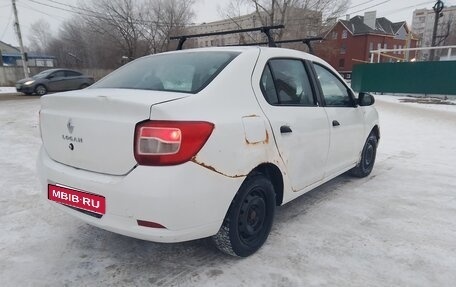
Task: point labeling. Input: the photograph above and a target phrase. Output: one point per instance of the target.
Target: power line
(367, 8)
(24, 5)
(390, 12)
(361, 4)
(7, 25)
(94, 14)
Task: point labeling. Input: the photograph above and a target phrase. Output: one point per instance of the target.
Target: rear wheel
(40, 90)
(368, 155)
(249, 219)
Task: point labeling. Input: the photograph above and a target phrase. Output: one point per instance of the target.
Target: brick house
(350, 41)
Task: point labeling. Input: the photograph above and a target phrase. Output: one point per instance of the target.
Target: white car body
(191, 199)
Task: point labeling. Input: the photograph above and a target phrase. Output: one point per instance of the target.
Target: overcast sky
(205, 11)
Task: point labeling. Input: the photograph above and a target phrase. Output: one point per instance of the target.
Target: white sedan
(204, 142)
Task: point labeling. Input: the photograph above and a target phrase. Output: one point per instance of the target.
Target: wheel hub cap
(369, 155)
(253, 213)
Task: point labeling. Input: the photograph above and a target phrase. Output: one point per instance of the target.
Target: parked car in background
(54, 80)
(204, 142)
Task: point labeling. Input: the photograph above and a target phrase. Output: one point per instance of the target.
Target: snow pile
(7, 90)
(404, 100)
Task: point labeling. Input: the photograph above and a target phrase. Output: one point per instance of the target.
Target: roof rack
(306, 41)
(266, 30)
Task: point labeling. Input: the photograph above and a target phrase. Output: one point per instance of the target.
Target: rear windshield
(178, 72)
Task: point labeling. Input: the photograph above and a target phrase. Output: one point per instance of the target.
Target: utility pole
(438, 8)
(19, 36)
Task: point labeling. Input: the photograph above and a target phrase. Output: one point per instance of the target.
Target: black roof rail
(306, 41)
(266, 30)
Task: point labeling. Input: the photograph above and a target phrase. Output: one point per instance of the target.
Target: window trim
(316, 98)
(320, 90)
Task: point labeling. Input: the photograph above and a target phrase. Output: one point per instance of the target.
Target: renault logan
(203, 143)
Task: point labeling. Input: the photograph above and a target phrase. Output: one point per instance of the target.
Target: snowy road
(395, 228)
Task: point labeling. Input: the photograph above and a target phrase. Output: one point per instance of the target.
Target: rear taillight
(169, 142)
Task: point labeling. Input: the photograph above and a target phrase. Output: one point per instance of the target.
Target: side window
(334, 91)
(290, 85)
(268, 88)
(58, 74)
(72, 74)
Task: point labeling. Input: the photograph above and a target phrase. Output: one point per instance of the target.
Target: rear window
(179, 72)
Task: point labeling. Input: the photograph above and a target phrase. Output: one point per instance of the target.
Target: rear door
(346, 121)
(300, 126)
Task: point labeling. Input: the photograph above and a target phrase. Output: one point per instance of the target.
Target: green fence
(412, 77)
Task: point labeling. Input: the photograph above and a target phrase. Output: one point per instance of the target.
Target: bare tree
(40, 35)
(162, 19)
(109, 31)
(117, 19)
(277, 12)
(447, 30)
(77, 45)
(451, 39)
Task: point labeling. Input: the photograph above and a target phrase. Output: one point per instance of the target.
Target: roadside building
(299, 23)
(423, 26)
(11, 56)
(349, 42)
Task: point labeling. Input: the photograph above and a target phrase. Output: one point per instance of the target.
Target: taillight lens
(169, 142)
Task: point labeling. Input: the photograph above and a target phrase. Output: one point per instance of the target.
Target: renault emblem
(70, 126)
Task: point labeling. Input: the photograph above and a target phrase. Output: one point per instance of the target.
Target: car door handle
(336, 123)
(285, 130)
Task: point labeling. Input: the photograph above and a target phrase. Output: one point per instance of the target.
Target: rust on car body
(215, 170)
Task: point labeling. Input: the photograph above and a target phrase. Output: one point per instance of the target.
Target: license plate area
(78, 199)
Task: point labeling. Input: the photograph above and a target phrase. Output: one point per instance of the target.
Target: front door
(56, 81)
(346, 122)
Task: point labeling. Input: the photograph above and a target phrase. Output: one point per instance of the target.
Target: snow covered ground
(395, 228)
(399, 99)
(7, 90)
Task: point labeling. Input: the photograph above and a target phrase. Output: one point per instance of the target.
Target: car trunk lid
(94, 129)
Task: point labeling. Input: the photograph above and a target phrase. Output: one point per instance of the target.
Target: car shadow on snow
(143, 262)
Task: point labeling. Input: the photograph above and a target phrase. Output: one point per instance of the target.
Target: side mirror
(365, 99)
(50, 77)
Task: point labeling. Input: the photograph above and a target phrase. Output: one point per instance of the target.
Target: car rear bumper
(189, 200)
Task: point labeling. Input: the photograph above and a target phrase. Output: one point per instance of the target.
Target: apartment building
(299, 23)
(423, 25)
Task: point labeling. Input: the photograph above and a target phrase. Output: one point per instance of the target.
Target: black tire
(249, 219)
(40, 90)
(83, 86)
(366, 164)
